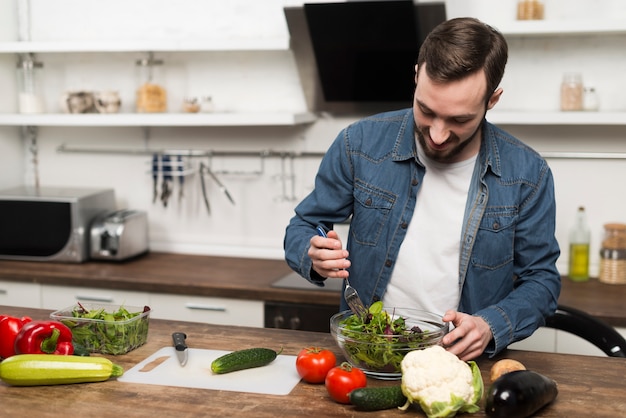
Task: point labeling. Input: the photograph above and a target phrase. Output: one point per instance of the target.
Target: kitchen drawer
(59, 297)
(26, 295)
(222, 311)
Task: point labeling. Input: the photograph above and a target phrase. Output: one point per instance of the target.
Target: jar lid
(615, 226)
(148, 62)
(29, 64)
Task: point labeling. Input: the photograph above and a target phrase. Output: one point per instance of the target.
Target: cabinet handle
(200, 307)
(295, 322)
(278, 321)
(106, 299)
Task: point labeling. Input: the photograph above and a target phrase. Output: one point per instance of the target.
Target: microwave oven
(50, 223)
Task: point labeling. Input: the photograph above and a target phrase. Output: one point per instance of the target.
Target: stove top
(295, 281)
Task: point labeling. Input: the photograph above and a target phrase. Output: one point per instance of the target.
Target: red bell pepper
(44, 337)
(9, 328)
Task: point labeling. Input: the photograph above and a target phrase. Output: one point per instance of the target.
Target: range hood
(358, 57)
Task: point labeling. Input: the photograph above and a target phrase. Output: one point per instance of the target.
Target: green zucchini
(243, 359)
(53, 369)
(519, 394)
(377, 398)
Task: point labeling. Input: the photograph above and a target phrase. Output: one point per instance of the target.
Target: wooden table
(594, 386)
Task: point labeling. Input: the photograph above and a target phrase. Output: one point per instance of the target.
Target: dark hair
(459, 47)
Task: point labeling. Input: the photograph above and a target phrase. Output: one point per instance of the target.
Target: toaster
(119, 235)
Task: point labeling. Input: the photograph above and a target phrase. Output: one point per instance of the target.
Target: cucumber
(243, 359)
(375, 399)
(53, 369)
(519, 394)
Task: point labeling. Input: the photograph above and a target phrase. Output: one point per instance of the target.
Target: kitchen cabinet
(27, 295)
(59, 297)
(549, 340)
(213, 310)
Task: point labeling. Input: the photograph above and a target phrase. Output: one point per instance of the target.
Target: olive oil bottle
(579, 240)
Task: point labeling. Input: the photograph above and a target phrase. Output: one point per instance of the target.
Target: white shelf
(562, 27)
(277, 44)
(556, 118)
(159, 119)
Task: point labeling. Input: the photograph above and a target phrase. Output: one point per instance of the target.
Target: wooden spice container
(613, 254)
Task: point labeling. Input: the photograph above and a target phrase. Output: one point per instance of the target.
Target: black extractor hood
(359, 56)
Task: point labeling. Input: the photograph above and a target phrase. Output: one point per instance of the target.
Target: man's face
(448, 116)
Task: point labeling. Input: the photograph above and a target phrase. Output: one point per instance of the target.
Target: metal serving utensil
(349, 293)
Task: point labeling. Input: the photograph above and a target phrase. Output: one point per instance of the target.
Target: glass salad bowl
(378, 344)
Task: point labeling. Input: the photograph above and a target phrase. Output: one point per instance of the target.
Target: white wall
(265, 81)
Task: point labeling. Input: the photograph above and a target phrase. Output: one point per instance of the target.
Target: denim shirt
(371, 176)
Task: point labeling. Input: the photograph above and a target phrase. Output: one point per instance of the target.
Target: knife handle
(179, 340)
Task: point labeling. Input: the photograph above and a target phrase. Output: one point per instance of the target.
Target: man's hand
(328, 257)
(470, 335)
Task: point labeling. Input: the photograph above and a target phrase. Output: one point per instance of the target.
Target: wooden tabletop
(587, 385)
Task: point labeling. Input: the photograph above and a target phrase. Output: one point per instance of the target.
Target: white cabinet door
(223, 311)
(543, 339)
(60, 297)
(27, 295)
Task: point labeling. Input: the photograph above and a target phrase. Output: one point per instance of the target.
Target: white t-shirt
(426, 275)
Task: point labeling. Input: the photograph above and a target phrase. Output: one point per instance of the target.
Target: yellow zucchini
(52, 369)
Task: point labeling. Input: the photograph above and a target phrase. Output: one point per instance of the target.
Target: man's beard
(448, 155)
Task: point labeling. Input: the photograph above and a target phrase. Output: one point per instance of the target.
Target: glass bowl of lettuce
(377, 342)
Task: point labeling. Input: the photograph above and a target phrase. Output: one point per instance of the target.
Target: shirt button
(388, 263)
(496, 226)
(404, 225)
(414, 182)
(368, 202)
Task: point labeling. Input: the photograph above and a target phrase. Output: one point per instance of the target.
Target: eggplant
(519, 394)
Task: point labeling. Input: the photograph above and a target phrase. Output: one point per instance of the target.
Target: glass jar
(530, 10)
(151, 95)
(572, 92)
(591, 102)
(613, 254)
(29, 74)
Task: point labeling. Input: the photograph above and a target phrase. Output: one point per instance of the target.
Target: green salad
(99, 331)
(380, 340)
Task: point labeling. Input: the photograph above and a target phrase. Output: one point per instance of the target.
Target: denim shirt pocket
(494, 244)
(371, 212)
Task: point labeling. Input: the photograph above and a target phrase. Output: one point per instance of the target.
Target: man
(449, 213)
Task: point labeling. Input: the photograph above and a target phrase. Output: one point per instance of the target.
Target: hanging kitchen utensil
(203, 184)
(219, 183)
(166, 191)
(181, 178)
(155, 177)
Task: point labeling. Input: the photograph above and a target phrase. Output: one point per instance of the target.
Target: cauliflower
(440, 382)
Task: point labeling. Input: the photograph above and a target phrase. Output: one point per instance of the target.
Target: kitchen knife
(182, 351)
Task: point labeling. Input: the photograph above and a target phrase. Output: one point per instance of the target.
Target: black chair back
(590, 328)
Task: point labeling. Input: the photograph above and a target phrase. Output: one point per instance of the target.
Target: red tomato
(342, 380)
(313, 364)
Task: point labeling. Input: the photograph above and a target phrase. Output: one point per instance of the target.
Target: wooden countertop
(240, 278)
(587, 384)
(605, 301)
(246, 278)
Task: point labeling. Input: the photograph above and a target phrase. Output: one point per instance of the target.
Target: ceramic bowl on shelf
(378, 352)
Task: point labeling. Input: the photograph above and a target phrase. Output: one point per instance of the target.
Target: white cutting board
(162, 368)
